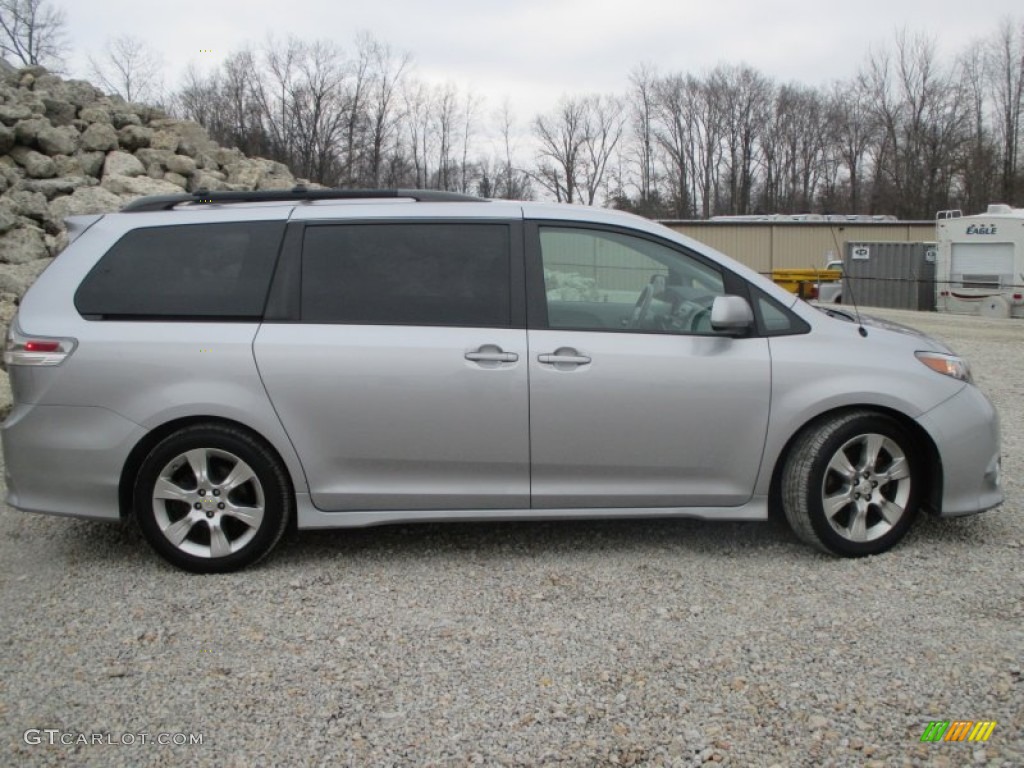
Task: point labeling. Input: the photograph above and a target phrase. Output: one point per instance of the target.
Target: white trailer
(980, 262)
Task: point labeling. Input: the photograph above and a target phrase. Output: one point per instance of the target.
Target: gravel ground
(614, 643)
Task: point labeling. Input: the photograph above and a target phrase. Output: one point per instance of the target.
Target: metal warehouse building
(765, 243)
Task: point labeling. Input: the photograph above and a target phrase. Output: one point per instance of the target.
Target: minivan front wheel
(851, 484)
(211, 498)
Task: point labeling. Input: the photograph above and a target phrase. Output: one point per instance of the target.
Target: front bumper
(965, 429)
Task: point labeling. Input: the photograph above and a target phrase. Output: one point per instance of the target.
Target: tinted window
(406, 274)
(220, 271)
(598, 280)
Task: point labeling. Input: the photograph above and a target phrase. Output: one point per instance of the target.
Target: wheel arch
(142, 448)
(931, 462)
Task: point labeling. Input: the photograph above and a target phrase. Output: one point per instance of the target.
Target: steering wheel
(642, 307)
(701, 322)
(643, 304)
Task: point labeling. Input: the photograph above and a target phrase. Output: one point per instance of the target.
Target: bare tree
(576, 142)
(512, 183)
(469, 109)
(674, 133)
(319, 123)
(920, 109)
(746, 98)
(273, 93)
(1006, 72)
(32, 32)
(198, 99)
(793, 150)
(129, 68)
(446, 121)
(605, 122)
(690, 128)
(853, 129)
(422, 137)
(389, 71)
(560, 157)
(643, 81)
(980, 164)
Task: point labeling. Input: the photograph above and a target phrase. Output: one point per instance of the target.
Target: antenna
(848, 286)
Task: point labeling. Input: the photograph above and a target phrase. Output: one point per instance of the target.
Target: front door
(634, 400)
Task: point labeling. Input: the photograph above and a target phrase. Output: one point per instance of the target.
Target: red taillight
(1018, 296)
(41, 346)
(26, 350)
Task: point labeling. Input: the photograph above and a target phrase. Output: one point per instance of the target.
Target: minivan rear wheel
(211, 498)
(851, 484)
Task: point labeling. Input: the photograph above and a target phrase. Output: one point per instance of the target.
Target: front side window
(443, 274)
(598, 280)
(186, 271)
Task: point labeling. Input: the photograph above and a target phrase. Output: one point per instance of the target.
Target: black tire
(866, 465)
(228, 518)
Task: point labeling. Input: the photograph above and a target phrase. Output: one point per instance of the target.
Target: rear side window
(407, 274)
(215, 271)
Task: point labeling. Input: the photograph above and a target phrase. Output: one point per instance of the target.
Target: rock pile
(66, 148)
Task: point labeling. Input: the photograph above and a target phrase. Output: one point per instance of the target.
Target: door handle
(492, 353)
(564, 356)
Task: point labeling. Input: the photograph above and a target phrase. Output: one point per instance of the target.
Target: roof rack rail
(296, 194)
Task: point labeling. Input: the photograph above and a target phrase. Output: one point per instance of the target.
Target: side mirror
(732, 314)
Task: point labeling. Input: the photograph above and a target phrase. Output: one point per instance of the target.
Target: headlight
(947, 365)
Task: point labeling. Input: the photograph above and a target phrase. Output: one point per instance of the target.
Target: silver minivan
(222, 364)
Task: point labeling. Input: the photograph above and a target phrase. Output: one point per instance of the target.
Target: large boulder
(85, 200)
(167, 140)
(122, 164)
(99, 137)
(135, 186)
(177, 179)
(246, 173)
(8, 220)
(59, 112)
(17, 278)
(91, 162)
(68, 166)
(225, 157)
(58, 141)
(95, 114)
(134, 137)
(22, 245)
(151, 157)
(6, 139)
(121, 118)
(181, 164)
(211, 181)
(36, 165)
(276, 182)
(60, 185)
(192, 137)
(51, 84)
(26, 131)
(33, 101)
(80, 93)
(12, 113)
(26, 203)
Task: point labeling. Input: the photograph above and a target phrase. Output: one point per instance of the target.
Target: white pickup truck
(831, 292)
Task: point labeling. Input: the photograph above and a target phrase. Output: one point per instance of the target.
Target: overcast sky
(533, 51)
